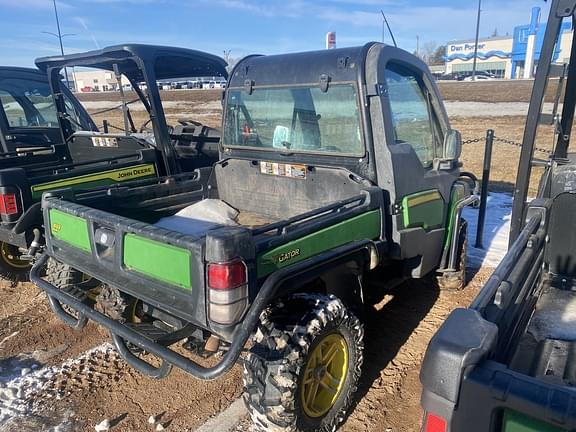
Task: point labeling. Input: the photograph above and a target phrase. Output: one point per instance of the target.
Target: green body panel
(516, 422)
(365, 226)
(458, 192)
(70, 229)
(423, 209)
(90, 181)
(157, 260)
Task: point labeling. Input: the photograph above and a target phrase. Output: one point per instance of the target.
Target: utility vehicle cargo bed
(111, 236)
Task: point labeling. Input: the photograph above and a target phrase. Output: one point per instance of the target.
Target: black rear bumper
(123, 334)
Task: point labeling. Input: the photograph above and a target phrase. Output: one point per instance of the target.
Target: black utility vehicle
(29, 136)
(508, 362)
(50, 142)
(335, 164)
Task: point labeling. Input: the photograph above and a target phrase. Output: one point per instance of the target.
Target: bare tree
(428, 51)
(229, 59)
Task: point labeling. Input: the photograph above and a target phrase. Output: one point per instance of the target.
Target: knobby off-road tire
(116, 304)
(456, 280)
(63, 276)
(12, 268)
(286, 346)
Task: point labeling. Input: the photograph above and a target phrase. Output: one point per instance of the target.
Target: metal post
(484, 190)
(60, 36)
(476, 41)
(105, 125)
(60, 40)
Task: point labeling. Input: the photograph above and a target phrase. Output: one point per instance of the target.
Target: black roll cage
(139, 63)
(559, 10)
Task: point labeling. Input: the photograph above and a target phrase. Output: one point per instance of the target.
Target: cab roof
(18, 72)
(167, 62)
(340, 65)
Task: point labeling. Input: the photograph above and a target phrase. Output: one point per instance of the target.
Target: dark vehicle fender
(462, 341)
(354, 256)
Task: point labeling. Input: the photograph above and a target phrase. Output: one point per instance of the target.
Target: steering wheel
(144, 127)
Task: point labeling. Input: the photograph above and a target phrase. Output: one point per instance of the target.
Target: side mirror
(452, 145)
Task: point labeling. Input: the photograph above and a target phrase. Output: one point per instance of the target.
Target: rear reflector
(434, 423)
(8, 204)
(226, 275)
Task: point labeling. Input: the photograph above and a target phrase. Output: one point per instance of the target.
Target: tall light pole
(476, 41)
(60, 36)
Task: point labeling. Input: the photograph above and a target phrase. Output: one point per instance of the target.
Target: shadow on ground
(388, 329)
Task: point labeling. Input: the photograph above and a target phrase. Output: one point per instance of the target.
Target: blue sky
(244, 26)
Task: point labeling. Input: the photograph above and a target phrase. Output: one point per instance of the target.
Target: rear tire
(303, 369)
(456, 280)
(12, 267)
(64, 277)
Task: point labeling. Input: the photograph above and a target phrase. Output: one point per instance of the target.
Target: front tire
(303, 369)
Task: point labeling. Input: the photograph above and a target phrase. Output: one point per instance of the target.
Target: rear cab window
(299, 119)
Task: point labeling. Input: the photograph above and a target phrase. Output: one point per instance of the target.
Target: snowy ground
(496, 229)
(25, 386)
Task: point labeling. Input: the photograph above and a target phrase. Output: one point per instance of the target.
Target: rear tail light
(8, 204)
(434, 423)
(227, 291)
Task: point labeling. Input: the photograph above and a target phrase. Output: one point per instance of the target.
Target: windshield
(295, 119)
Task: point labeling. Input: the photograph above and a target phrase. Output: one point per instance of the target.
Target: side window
(15, 114)
(413, 120)
(76, 122)
(28, 103)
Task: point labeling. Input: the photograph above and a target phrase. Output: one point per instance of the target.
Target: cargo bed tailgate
(163, 268)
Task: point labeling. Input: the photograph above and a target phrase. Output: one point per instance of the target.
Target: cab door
(416, 125)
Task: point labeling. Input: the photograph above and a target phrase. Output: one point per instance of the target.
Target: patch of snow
(103, 426)
(19, 385)
(496, 231)
(491, 109)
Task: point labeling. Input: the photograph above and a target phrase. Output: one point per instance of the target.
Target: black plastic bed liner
(548, 348)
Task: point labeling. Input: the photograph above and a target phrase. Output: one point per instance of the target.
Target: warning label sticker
(104, 141)
(283, 170)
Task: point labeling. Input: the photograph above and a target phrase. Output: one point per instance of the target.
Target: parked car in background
(478, 78)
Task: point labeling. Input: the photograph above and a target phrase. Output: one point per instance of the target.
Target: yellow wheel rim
(93, 292)
(324, 375)
(11, 256)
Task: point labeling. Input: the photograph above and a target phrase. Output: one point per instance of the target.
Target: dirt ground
(102, 386)
(82, 393)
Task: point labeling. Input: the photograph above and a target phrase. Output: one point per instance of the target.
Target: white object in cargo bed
(200, 217)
